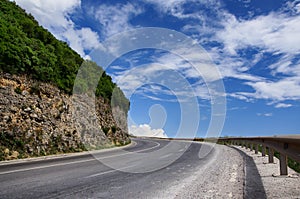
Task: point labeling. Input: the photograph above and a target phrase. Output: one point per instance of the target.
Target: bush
(114, 129)
(105, 130)
(18, 90)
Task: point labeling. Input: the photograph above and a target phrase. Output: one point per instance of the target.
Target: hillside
(37, 74)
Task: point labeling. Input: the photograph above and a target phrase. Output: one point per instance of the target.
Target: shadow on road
(253, 184)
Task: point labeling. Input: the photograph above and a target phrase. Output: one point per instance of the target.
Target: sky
(191, 68)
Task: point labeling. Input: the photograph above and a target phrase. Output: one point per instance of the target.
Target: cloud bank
(145, 130)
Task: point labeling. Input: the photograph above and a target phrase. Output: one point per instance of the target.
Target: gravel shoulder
(274, 185)
(221, 177)
(236, 172)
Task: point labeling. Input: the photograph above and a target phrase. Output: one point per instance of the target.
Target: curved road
(143, 170)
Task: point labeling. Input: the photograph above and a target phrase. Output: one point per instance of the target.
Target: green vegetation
(291, 163)
(18, 90)
(27, 48)
(88, 77)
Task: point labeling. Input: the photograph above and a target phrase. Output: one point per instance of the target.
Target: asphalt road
(150, 168)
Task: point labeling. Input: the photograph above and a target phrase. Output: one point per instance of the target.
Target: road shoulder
(274, 185)
(221, 177)
(64, 155)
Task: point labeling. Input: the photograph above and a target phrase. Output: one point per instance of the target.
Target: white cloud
(286, 66)
(241, 96)
(285, 89)
(115, 19)
(146, 131)
(283, 105)
(171, 75)
(234, 66)
(82, 39)
(176, 7)
(54, 15)
(265, 114)
(292, 7)
(274, 32)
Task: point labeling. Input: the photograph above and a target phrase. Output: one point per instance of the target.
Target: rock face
(39, 119)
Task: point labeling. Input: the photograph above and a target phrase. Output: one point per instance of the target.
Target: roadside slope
(37, 75)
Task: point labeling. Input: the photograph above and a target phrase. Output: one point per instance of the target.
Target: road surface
(150, 168)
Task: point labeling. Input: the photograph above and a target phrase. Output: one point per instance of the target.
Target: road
(150, 168)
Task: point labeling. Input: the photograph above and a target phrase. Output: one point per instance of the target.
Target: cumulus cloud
(146, 131)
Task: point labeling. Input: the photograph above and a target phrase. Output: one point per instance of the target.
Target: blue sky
(253, 44)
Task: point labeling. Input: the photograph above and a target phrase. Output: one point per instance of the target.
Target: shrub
(18, 90)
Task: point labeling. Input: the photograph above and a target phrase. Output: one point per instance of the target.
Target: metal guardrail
(287, 146)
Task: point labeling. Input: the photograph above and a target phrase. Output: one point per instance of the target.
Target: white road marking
(165, 156)
(46, 166)
(75, 162)
(109, 171)
(158, 144)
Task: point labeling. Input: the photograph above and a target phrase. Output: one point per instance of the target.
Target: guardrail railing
(287, 146)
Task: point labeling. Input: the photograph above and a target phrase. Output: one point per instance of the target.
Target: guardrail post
(283, 164)
(263, 150)
(271, 155)
(256, 148)
(251, 147)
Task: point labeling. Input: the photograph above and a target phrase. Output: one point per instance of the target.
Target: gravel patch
(221, 177)
(274, 185)
(236, 172)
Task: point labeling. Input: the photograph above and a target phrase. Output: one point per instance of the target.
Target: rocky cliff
(37, 119)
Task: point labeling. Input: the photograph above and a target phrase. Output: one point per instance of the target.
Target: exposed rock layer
(39, 119)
